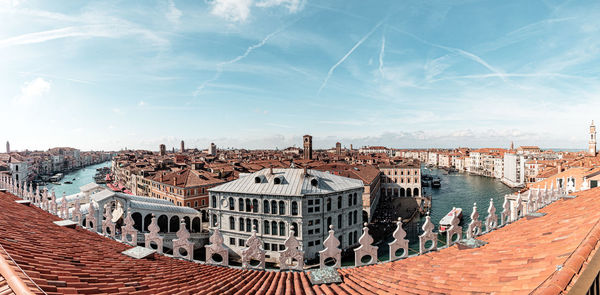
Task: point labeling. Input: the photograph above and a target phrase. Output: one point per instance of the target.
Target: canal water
(78, 177)
(459, 190)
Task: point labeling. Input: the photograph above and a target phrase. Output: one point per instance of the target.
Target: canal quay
(79, 178)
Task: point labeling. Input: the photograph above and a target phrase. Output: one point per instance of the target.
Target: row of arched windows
(352, 201)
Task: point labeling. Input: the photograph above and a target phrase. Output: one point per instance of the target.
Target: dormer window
(257, 179)
(278, 180)
(314, 182)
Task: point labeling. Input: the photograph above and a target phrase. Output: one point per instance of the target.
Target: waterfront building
(592, 143)
(272, 200)
(401, 180)
(432, 158)
(18, 168)
(498, 167)
(514, 170)
(308, 151)
(444, 160)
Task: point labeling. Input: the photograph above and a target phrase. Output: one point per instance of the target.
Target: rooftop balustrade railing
(292, 257)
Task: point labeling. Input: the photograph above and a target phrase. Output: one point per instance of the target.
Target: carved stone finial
(454, 229)
(399, 242)
(129, 230)
(491, 221)
(253, 251)
(216, 250)
(153, 236)
(90, 218)
(108, 226)
(331, 250)
(76, 216)
(291, 253)
(183, 243)
(427, 236)
(366, 248)
(474, 228)
(518, 213)
(53, 207)
(64, 210)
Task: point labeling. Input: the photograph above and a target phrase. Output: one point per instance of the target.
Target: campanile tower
(307, 147)
(592, 145)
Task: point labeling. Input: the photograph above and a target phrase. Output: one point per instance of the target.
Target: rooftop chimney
(305, 171)
(271, 169)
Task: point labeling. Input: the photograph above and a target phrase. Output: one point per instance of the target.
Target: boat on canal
(446, 221)
(436, 183)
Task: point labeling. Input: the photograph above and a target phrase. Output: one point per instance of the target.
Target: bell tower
(307, 147)
(592, 144)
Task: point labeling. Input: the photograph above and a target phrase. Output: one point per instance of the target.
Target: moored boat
(446, 221)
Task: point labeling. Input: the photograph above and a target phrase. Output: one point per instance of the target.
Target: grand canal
(78, 177)
(461, 190)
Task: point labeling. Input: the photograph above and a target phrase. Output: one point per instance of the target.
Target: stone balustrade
(292, 257)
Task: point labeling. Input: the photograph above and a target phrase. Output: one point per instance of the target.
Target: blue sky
(261, 73)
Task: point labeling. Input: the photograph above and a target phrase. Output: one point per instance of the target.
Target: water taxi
(446, 221)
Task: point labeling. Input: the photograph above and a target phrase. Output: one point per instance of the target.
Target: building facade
(272, 200)
(401, 180)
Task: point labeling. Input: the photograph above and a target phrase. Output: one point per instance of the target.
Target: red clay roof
(519, 258)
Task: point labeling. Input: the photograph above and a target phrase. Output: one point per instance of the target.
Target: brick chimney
(174, 181)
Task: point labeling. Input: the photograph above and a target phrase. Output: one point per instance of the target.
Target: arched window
(350, 238)
(328, 204)
(241, 224)
(349, 218)
(355, 214)
(273, 207)
(355, 199)
(294, 208)
(296, 229)
(231, 204)
(255, 224)
(282, 228)
(255, 206)
(248, 225)
(350, 200)
(408, 192)
(266, 206)
(214, 220)
(281, 208)
(240, 204)
(355, 237)
(274, 228)
(248, 205)
(231, 223)
(339, 202)
(266, 227)
(328, 221)
(214, 202)
(415, 192)
(339, 221)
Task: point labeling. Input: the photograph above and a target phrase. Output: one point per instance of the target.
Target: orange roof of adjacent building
(519, 258)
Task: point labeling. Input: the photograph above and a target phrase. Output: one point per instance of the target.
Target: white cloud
(232, 10)
(33, 90)
(173, 14)
(10, 3)
(293, 6)
(239, 10)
